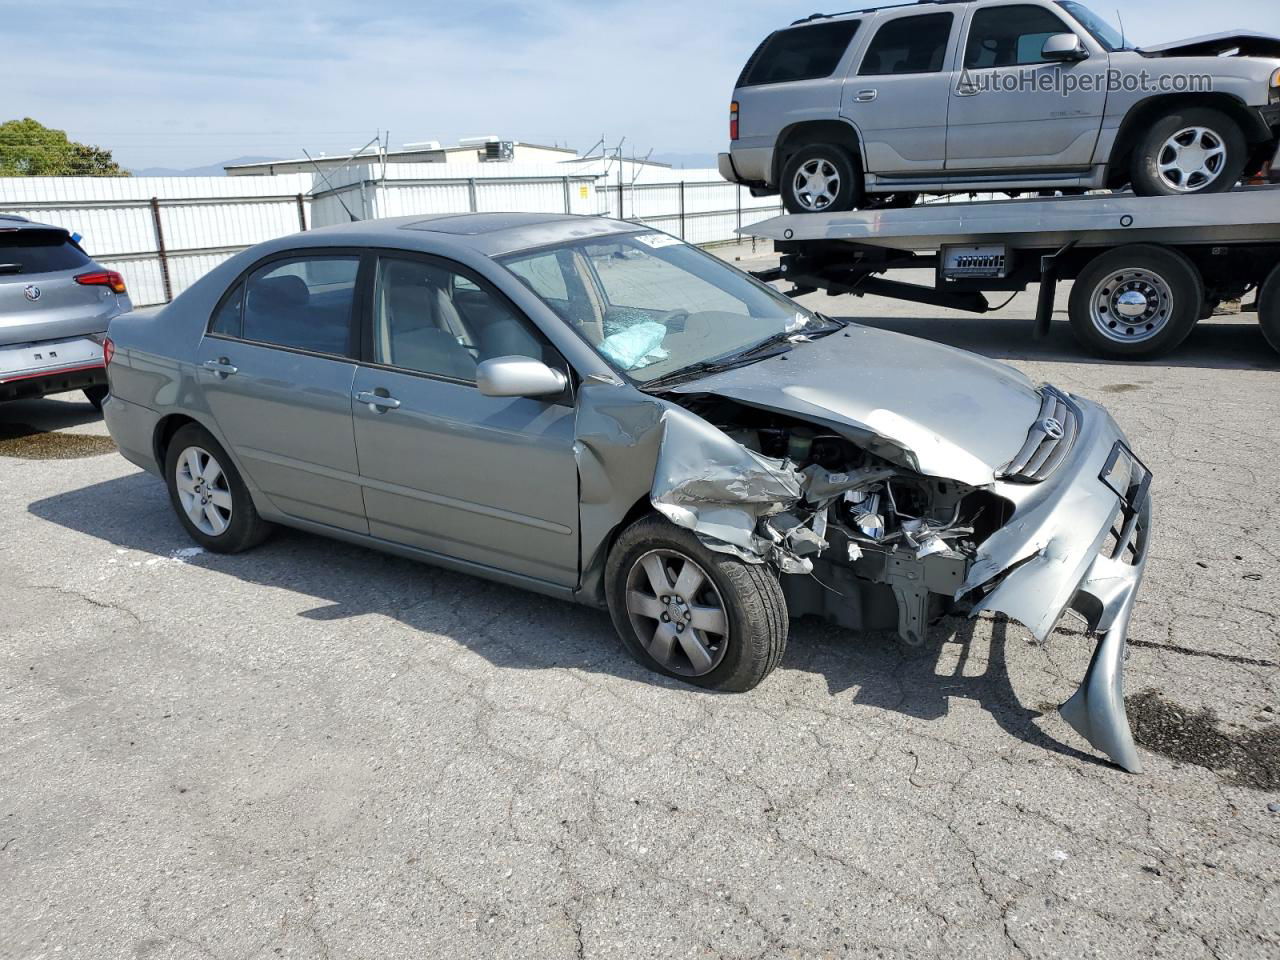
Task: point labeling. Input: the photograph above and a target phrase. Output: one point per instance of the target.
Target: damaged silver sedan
(599, 412)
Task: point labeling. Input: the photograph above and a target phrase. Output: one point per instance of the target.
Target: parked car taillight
(108, 351)
(733, 120)
(102, 278)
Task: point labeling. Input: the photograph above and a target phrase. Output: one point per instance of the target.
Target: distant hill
(212, 170)
(687, 161)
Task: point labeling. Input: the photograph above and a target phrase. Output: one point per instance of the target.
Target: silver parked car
(601, 413)
(55, 304)
(873, 107)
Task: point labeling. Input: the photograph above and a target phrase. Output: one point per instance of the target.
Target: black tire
(848, 173)
(97, 395)
(752, 600)
(1154, 148)
(1269, 309)
(245, 529)
(1165, 278)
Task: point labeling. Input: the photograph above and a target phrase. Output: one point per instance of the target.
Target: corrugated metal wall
(198, 222)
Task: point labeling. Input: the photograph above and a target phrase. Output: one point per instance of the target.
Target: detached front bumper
(51, 366)
(1079, 540)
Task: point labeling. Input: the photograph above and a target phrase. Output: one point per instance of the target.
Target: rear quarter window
(38, 251)
(799, 53)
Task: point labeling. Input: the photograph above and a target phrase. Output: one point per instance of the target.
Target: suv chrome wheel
(1192, 159)
(1131, 306)
(816, 184)
(677, 613)
(203, 491)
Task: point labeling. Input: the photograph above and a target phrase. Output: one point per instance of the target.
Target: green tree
(30, 149)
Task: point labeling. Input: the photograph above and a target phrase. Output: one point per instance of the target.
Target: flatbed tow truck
(1146, 269)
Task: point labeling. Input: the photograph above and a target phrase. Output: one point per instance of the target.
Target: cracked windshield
(653, 305)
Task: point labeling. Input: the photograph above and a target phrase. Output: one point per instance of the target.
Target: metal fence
(163, 234)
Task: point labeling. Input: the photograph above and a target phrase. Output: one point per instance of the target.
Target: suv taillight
(102, 278)
(108, 351)
(733, 120)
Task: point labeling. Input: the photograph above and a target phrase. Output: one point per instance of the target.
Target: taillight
(108, 351)
(733, 120)
(102, 278)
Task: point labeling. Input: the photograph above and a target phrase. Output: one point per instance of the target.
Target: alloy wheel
(203, 491)
(1192, 159)
(816, 184)
(677, 613)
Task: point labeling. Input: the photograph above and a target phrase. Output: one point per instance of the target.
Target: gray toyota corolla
(600, 412)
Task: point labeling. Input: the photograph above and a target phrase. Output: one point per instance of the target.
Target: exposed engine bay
(884, 547)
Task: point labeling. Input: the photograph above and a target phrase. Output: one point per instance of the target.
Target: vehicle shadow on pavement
(513, 628)
(43, 415)
(1219, 344)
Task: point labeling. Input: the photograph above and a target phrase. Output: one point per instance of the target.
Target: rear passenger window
(304, 303)
(800, 53)
(909, 45)
(1010, 37)
(227, 320)
(430, 319)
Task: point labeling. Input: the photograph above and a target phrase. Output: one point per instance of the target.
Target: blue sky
(187, 83)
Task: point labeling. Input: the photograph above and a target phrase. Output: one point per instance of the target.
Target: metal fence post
(471, 194)
(160, 251)
(681, 209)
(738, 191)
(302, 214)
(568, 206)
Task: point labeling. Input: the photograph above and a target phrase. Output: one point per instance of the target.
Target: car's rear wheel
(689, 612)
(821, 178)
(1194, 151)
(1136, 302)
(1269, 309)
(97, 395)
(210, 498)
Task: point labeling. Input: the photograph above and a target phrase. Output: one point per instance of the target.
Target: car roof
(491, 234)
(863, 11)
(11, 221)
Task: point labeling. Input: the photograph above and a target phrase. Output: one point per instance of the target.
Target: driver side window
(1010, 37)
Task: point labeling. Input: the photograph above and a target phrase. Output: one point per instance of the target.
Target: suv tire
(821, 178)
(1269, 309)
(1187, 134)
(208, 495)
(1136, 302)
(724, 623)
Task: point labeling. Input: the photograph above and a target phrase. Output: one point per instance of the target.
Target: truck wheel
(683, 610)
(1192, 151)
(820, 178)
(211, 500)
(1136, 302)
(1269, 309)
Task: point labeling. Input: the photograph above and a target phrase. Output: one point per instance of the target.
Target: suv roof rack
(892, 6)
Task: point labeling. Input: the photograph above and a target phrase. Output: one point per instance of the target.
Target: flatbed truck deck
(1146, 269)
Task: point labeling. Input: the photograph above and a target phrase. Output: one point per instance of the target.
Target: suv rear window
(38, 251)
(800, 53)
(909, 45)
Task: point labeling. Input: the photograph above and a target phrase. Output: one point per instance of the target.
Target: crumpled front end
(1063, 525)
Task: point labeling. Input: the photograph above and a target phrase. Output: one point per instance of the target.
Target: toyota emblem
(1052, 428)
(32, 292)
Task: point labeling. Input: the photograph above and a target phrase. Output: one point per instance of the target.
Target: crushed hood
(1248, 44)
(931, 408)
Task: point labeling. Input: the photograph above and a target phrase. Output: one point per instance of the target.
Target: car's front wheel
(821, 178)
(1269, 309)
(207, 493)
(689, 612)
(1189, 152)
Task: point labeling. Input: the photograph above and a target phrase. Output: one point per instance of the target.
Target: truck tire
(1194, 151)
(688, 612)
(1269, 309)
(1136, 302)
(821, 178)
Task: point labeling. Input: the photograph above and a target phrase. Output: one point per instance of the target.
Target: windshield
(1102, 31)
(652, 305)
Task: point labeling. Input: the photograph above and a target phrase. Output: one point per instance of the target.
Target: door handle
(222, 367)
(967, 90)
(377, 402)
(866, 96)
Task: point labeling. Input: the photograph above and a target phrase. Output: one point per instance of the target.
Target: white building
(468, 151)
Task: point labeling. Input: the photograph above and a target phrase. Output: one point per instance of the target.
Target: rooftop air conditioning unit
(498, 150)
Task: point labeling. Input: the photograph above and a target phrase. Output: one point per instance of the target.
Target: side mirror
(1064, 48)
(518, 377)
